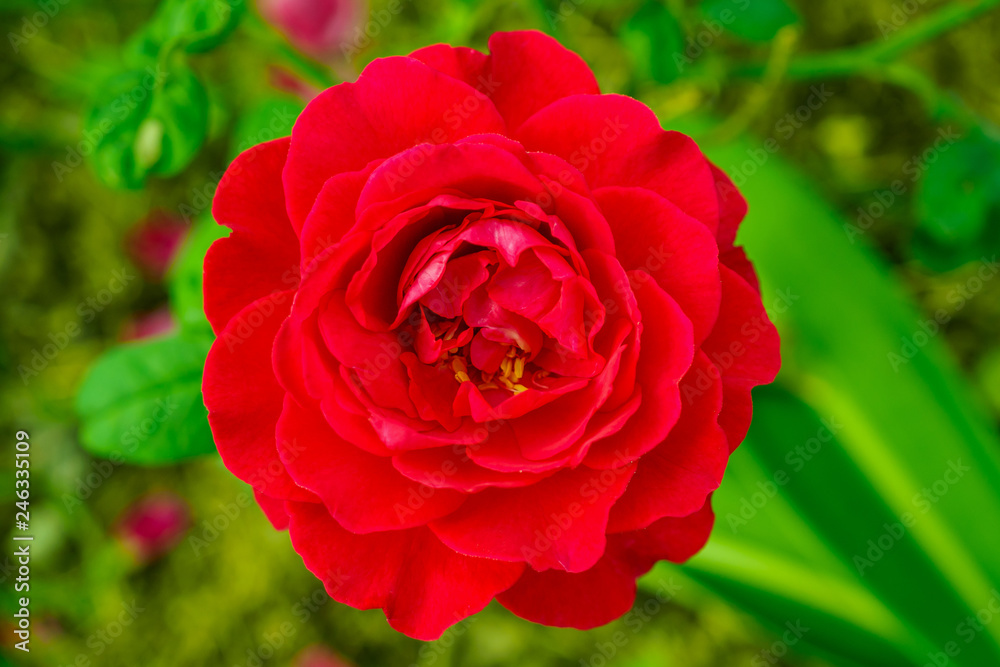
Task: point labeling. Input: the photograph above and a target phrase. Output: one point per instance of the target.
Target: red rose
(482, 332)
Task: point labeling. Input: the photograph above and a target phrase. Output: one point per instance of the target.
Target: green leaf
(180, 115)
(113, 124)
(959, 194)
(826, 545)
(753, 20)
(141, 402)
(198, 25)
(186, 276)
(656, 41)
(146, 121)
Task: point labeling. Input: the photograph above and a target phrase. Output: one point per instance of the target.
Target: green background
(863, 134)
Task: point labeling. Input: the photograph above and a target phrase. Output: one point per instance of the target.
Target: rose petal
(261, 254)
(654, 236)
(557, 523)
(580, 600)
(446, 468)
(616, 140)
(396, 103)
(363, 492)
(422, 586)
(244, 399)
(667, 346)
(732, 208)
(273, 508)
(746, 349)
(678, 474)
(511, 75)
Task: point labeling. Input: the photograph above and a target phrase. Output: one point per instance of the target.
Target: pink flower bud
(153, 525)
(316, 27)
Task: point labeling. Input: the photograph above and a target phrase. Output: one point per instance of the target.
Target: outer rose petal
(736, 259)
(422, 586)
(557, 523)
(606, 591)
(363, 492)
(244, 399)
(675, 478)
(616, 140)
(273, 509)
(745, 347)
(673, 539)
(460, 62)
(581, 600)
(524, 72)
(395, 104)
(732, 208)
(261, 254)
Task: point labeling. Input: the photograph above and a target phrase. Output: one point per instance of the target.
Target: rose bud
(153, 525)
(286, 81)
(319, 656)
(319, 28)
(147, 325)
(153, 243)
(482, 333)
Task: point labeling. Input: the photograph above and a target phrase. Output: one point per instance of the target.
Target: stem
(316, 72)
(774, 73)
(875, 60)
(859, 58)
(927, 29)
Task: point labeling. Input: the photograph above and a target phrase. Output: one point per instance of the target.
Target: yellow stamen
(460, 369)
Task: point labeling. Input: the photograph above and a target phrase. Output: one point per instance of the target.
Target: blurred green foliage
(115, 109)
